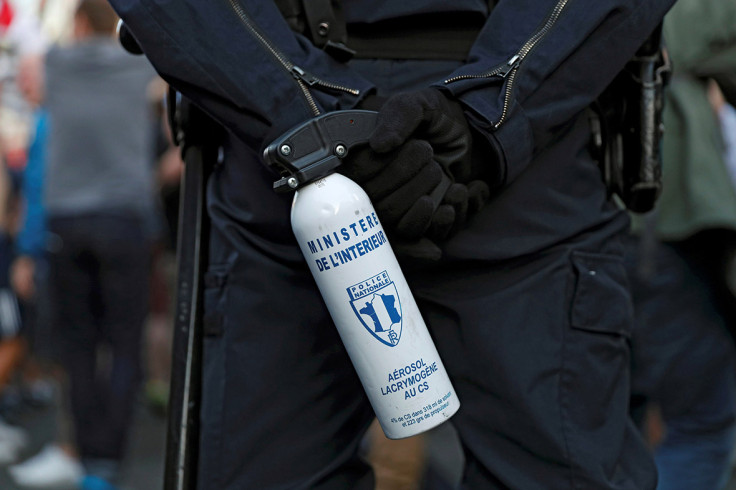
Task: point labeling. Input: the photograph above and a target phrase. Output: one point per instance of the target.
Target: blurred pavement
(145, 465)
(144, 469)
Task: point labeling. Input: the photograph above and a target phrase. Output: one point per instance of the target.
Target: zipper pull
(511, 65)
(300, 74)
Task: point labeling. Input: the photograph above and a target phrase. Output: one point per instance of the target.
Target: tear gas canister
(363, 286)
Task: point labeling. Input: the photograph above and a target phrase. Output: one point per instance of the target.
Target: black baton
(199, 138)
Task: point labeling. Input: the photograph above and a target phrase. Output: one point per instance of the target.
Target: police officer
(521, 279)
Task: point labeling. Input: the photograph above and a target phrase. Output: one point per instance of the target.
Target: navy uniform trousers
(529, 309)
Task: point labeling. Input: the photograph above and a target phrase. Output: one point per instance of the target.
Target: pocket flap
(602, 301)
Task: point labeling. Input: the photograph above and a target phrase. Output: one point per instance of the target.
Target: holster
(627, 127)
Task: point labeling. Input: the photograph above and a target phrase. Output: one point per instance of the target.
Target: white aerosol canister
(371, 304)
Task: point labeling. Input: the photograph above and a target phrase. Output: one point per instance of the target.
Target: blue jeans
(693, 455)
(683, 359)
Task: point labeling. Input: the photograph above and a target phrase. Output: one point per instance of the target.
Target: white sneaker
(50, 468)
(9, 452)
(12, 441)
(14, 434)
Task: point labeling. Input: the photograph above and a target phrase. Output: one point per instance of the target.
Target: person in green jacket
(683, 358)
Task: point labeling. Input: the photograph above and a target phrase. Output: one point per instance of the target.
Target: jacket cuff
(515, 140)
(512, 143)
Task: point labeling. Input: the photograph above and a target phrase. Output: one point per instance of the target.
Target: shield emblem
(377, 305)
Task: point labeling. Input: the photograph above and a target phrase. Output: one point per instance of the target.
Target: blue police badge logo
(376, 303)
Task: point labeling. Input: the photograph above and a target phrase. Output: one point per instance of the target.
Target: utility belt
(446, 36)
(626, 119)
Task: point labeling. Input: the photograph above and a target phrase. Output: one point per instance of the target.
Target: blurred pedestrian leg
(397, 464)
(158, 333)
(100, 260)
(694, 455)
(684, 362)
(12, 346)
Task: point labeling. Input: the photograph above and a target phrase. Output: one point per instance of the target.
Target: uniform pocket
(601, 302)
(595, 376)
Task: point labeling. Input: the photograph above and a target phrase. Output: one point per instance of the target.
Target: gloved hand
(426, 114)
(417, 170)
(405, 185)
(429, 115)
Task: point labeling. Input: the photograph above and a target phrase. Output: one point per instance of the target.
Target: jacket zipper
(304, 79)
(510, 67)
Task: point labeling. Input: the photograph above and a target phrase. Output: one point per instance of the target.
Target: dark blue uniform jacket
(534, 68)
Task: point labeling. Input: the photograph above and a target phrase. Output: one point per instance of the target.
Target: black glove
(417, 170)
(428, 115)
(405, 185)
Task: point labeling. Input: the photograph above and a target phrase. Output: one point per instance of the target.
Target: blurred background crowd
(89, 184)
(86, 263)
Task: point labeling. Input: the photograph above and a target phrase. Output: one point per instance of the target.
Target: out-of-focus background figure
(98, 199)
(21, 38)
(85, 120)
(684, 361)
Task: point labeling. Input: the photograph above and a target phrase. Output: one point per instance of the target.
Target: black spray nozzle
(316, 148)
